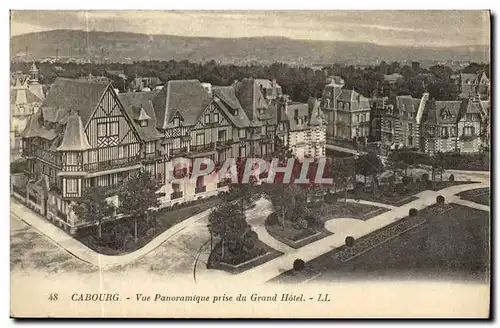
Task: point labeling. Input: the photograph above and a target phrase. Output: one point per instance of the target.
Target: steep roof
(80, 96)
(468, 76)
(74, 138)
(228, 95)
(250, 97)
(34, 129)
(139, 105)
(186, 97)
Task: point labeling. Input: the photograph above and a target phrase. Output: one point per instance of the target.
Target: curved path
(367, 202)
(256, 218)
(88, 255)
(347, 227)
(261, 273)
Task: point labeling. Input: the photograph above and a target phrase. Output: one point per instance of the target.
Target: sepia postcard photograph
(250, 164)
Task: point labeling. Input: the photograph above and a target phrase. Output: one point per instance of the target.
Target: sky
(416, 28)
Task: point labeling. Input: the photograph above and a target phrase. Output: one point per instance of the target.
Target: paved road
(31, 251)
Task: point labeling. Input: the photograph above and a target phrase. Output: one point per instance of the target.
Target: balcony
(178, 151)
(111, 164)
(153, 156)
(201, 189)
(202, 148)
(45, 155)
(176, 195)
(468, 137)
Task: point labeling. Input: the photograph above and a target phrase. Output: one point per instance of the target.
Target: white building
(302, 128)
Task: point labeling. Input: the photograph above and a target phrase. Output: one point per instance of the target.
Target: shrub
(298, 265)
(440, 199)
(313, 221)
(273, 219)
(451, 178)
(429, 184)
(425, 177)
(407, 180)
(349, 241)
(330, 198)
(413, 212)
(301, 224)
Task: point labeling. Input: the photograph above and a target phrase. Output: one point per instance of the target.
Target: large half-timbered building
(86, 135)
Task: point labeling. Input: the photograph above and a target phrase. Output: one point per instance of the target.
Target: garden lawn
(451, 245)
(480, 196)
(296, 237)
(399, 198)
(118, 236)
(242, 261)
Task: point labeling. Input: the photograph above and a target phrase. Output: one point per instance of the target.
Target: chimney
(207, 87)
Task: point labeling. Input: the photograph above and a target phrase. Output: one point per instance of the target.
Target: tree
(228, 222)
(288, 199)
(138, 196)
(343, 170)
(93, 207)
(369, 164)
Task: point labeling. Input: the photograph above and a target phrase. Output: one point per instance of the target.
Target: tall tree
(228, 222)
(369, 164)
(93, 207)
(138, 196)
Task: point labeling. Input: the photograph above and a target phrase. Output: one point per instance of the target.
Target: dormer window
(144, 123)
(216, 117)
(261, 111)
(236, 113)
(207, 118)
(176, 121)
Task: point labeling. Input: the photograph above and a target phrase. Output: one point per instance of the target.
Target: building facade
(431, 126)
(302, 128)
(26, 96)
(472, 85)
(346, 111)
(85, 134)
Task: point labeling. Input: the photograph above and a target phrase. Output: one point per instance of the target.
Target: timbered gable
(110, 125)
(211, 116)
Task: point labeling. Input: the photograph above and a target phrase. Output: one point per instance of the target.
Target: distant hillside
(114, 45)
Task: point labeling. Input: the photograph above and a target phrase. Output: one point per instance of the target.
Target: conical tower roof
(74, 137)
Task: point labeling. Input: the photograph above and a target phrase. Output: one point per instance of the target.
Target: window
(221, 135)
(121, 151)
(243, 133)
(453, 132)
(144, 123)
(444, 132)
(107, 129)
(410, 141)
(216, 117)
(410, 128)
(72, 159)
(207, 118)
(150, 147)
(102, 129)
(200, 139)
(431, 131)
(243, 151)
(469, 131)
(176, 121)
(389, 125)
(263, 129)
(356, 119)
(113, 126)
(71, 186)
(236, 113)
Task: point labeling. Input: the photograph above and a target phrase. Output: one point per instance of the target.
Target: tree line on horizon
(299, 83)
